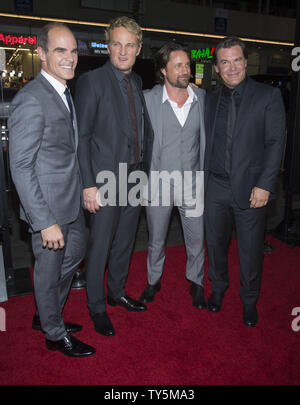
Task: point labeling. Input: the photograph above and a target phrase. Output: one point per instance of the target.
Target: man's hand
(259, 197)
(53, 237)
(91, 199)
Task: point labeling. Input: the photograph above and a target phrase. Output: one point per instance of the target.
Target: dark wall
(143, 67)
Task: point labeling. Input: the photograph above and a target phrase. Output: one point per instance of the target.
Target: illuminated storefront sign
(98, 45)
(13, 39)
(204, 53)
(199, 71)
(99, 48)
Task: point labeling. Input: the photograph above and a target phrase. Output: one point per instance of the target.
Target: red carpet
(172, 343)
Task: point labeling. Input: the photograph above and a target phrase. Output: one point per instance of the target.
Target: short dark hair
(229, 42)
(42, 38)
(162, 58)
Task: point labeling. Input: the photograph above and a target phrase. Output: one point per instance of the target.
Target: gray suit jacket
(154, 104)
(43, 157)
(153, 99)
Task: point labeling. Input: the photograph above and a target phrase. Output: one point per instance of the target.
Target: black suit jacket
(257, 142)
(103, 124)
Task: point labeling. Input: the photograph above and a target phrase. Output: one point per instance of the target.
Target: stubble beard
(182, 82)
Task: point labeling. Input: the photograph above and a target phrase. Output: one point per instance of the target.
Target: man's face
(61, 59)
(123, 48)
(178, 70)
(231, 65)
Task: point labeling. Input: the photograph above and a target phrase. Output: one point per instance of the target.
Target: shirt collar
(119, 75)
(59, 87)
(191, 98)
(238, 89)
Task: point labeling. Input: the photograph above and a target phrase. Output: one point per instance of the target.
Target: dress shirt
(59, 87)
(217, 164)
(183, 111)
(137, 103)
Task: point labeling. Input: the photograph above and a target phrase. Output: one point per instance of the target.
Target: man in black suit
(114, 128)
(245, 128)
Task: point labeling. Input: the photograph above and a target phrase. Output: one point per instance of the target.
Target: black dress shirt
(219, 152)
(138, 108)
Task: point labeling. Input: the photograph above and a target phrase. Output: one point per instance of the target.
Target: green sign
(205, 53)
(199, 71)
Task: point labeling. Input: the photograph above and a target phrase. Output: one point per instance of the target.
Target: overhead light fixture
(15, 49)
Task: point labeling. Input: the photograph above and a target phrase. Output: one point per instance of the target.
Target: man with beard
(176, 113)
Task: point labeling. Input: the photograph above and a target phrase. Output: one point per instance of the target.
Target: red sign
(12, 40)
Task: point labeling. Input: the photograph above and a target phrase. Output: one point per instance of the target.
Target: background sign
(199, 71)
(24, 5)
(203, 54)
(221, 18)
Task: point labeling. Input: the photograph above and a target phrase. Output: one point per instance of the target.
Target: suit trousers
(220, 210)
(158, 219)
(111, 242)
(53, 275)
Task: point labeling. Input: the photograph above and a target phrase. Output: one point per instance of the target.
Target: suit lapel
(56, 96)
(144, 108)
(200, 104)
(158, 106)
(155, 110)
(62, 107)
(75, 125)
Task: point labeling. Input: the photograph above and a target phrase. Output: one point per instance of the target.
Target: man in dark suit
(43, 141)
(245, 129)
(114, 128)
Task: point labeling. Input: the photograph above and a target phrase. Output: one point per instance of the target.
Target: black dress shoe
(250, 315)
(70, 346)
(103, 324)
(149, 292)
(70, 327)
(128, 303)
(197, 292)
(214, 303)
(268, 248)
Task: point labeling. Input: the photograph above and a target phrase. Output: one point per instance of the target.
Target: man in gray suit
(176, 113)
(43, 142)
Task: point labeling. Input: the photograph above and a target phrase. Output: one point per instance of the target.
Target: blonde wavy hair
(128, 23)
